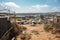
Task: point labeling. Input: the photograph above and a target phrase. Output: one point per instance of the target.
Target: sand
(42, 34)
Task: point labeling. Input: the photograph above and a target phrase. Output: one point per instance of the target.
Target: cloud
(42, 8)
(38, 8)
(56, 9)
(12, 4)
(9, 5)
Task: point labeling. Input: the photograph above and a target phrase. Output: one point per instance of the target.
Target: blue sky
(31, 6)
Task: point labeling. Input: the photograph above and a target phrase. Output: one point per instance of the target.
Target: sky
(31, 6)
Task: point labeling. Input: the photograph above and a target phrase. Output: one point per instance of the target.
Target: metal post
(14, 18)
(53, 20)
(9, 15)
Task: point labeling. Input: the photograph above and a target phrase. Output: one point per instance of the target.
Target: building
(57, 18)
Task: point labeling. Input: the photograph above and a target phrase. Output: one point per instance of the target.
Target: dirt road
(38, 33)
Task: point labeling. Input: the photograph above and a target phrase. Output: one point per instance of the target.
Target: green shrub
(23, 28)
(46, 28)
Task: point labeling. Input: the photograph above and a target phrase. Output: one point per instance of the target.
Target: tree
(42, 17)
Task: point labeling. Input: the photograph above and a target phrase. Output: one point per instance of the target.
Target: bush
(56, 25)
(46, 28)
(23, 28)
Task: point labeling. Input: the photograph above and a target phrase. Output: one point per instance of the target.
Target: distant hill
(57, 13)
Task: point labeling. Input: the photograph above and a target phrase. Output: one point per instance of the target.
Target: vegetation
(53, 29)
(56, 25)
(24, 18)
(31, 17)
(42, 17)
(23, 28)
(46, 28)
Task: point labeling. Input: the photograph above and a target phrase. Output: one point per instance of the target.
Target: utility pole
(14, 18)
(53, 20)
(9, 14)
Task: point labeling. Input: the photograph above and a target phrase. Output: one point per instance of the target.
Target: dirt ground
(38, 33)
